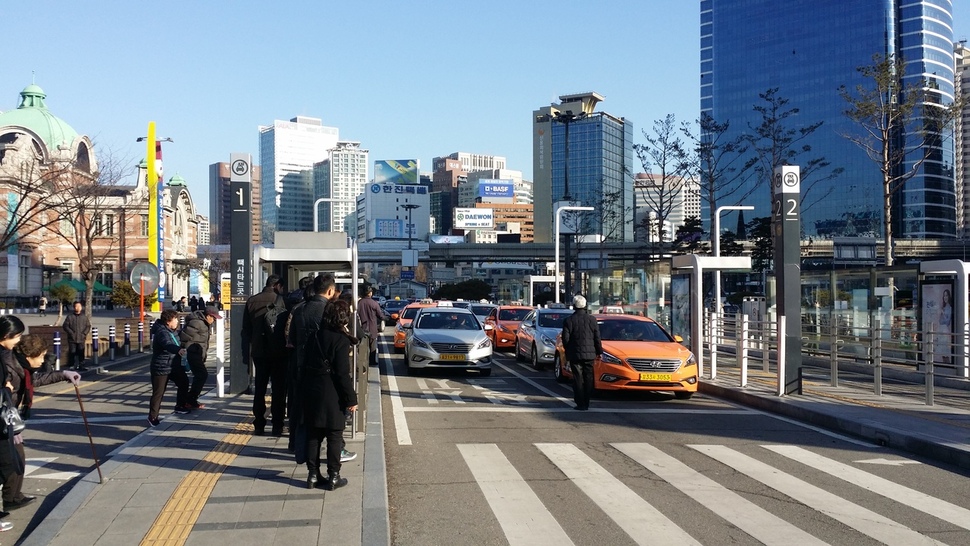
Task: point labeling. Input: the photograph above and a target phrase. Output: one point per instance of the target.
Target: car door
(526, 334)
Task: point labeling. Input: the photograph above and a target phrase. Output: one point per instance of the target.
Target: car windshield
(444, 320)
(632, 330)
(513, 314)
(482, 310)
(394, 305)
(552, 320)
(410, 312)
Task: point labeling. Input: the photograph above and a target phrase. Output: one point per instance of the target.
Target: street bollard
(94, 344)
(742, 350)
(127, 339)
(141, 337)
(57, 350)
(111, 343)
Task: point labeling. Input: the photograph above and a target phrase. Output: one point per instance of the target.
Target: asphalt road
(506, 460)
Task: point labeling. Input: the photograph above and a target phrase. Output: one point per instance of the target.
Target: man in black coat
(371, 317)
(195, 340)
(76, 329)
(257, 337)
(581, 340)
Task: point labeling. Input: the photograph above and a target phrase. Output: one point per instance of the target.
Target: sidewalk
(204, 479)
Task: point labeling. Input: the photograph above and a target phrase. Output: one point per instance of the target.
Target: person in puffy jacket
(195, 340)
(581, 340)
(167, 364)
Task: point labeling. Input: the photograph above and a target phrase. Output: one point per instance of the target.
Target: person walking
(371, 317)
(195, 340)
(166, 364)
(327, 392)
(262, 309)
(23, 378)
(193, 304)
(76, 329)
(581, 340)
(42, 306)
(12, 462)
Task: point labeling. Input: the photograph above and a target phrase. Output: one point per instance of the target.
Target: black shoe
(27, 499)
(582, 408)
(259, 430)
(311, 480)
(333, 481)
(4, 514)
(182, 410)
(277, 431)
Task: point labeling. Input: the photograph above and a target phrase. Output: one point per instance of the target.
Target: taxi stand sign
(786, 231)
(240, 255)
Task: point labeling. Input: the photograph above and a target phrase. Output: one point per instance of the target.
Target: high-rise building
(473, 162)
(219, 200)
(600, 163)
(202, 235)
(339, 180)
(675, 203)
(287, 152)
(961, 54)
(807, 49)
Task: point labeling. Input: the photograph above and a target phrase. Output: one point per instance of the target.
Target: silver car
(536, 337)
(447, 337)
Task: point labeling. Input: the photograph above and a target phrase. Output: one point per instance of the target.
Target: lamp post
(716, 248)
(409, 207)
(558, 221)
(316, 209)
(566, 118)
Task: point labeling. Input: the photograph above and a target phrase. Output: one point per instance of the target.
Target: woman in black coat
(11, 462)
(327, 390)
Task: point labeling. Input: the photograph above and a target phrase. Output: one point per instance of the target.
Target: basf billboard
(474, 218)
(396, 171)
(496, 188)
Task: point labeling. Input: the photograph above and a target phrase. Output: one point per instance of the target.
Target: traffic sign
(407, 275)
(144, 274)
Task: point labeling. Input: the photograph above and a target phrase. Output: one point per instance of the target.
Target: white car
(446, 337)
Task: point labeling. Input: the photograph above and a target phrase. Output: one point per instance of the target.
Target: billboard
(388, 229)
(936, 321)
(398, 189)
(396, 171)
(474, 218)
(496, 188)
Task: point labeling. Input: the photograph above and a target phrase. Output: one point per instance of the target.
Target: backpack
(270, 319)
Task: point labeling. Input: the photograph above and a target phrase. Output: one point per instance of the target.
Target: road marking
(861, 519)
(887, 462)
(551, 394)
(35, 464)
(644, 523)
(933, 506)
(397, 406)
(828, 433)
(515, 409)
(523, 517)
(744, 514)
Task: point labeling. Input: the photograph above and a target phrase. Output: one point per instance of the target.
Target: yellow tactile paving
(178, 516)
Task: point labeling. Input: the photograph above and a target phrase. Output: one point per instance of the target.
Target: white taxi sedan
(446, 337)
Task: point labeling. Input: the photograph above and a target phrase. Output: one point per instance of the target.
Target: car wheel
(485, 372)
(535, 359)
(518, 355)
(557, 370)
(683, 395)
(412, 371)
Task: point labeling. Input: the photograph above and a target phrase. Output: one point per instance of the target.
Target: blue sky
(414, 79)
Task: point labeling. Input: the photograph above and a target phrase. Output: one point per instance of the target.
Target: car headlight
(486, 343)
(690, 360)
(416, 341)
(608, 358)
(506, 330)
(549, 342)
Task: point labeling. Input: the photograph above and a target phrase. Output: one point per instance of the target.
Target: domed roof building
(43, 162)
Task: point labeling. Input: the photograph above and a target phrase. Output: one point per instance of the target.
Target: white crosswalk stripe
(933, 506)
(644, 523)
(524, 518)
(519, 511)
(861, 519)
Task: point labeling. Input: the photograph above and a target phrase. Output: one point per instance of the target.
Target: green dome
(176, 180)
(33, 114)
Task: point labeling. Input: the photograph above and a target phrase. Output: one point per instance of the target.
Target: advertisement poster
(936, 321)
(396, 171)
(680, 303)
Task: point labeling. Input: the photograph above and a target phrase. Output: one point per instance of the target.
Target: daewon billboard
(474, 218)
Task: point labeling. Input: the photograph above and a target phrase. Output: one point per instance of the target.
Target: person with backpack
(258, 327)
(195, 340)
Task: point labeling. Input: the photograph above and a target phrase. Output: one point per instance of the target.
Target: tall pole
(566, 120)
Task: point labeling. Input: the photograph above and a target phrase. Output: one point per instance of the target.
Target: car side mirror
(488, 327)
(407, 326)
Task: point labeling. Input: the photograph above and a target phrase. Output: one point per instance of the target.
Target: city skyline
(388, 94)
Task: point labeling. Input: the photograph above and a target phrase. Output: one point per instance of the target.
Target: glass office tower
(807, 49)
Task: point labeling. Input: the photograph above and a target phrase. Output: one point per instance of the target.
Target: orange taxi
(406, 315)
(505, 320)
(638, 354)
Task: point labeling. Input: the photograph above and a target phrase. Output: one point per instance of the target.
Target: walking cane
(94, 453)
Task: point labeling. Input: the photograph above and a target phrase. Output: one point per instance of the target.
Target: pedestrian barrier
(94, 345)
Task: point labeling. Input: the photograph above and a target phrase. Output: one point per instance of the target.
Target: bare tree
(88, 219)
(666, 162)
(883, 110)
(774, 143)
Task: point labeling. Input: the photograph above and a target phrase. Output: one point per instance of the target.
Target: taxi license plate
(655, 377)
(452, 357)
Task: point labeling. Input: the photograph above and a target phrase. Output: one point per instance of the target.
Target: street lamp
(716, 248)
(558, 221)
(566, 118)
(316, 209)
(409, 207)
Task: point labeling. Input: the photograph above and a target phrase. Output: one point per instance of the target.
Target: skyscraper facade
(287, 152)
(807, 49)
(219, 204)
(339, 180)
(961, 54)
(600, 169)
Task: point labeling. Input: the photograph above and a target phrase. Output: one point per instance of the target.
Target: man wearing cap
(581, 340)
(195, 340)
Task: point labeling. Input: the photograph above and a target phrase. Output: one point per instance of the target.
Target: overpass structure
(384, 252)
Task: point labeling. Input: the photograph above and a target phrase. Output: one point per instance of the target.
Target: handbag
(10, 416)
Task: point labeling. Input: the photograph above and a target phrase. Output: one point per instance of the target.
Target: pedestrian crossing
(797, 475)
